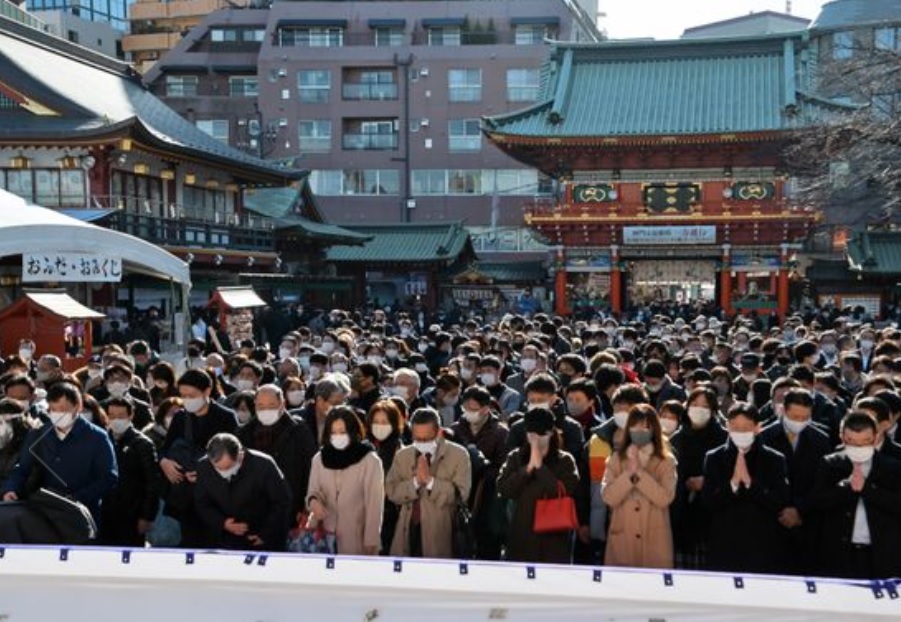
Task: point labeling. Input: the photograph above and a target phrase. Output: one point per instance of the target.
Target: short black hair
(117, 369)
(802, 373)
(64, 390)
(585, 386)
(19, 380)
(858, 421)
(891, 399)
(630, 394)
(424, 416)
(575, 361)
(122, 402)
(478, 393)
(743, 409)
(491, 361)
(798, 397)
(879, 408)
(369, 370)
(221, 445)
(253, 366)
(196, 378)
(654, 369)
(608, 375)
(541, 383)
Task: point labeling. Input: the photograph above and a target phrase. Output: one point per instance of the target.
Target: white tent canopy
(26, 228)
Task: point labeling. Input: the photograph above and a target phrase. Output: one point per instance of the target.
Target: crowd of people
(676, 442)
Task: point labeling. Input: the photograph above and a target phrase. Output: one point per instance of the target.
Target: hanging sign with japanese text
(71, 268)
(703, 234)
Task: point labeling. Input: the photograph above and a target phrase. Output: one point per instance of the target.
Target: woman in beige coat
(639, 486)
(426, 480)
(347, 488)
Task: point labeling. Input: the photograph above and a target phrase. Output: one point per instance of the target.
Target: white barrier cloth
(103, 585)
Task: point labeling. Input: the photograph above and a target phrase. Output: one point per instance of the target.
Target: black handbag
(71, 521)
(462, 535)
(183, 450)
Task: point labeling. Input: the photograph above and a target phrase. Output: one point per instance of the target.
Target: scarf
(340, 459)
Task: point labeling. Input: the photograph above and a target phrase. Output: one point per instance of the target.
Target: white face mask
(340, 441)
(451, 400)
(621, 417)
(528, 364)
(544, 405)
(243, 384)
(61, 420)
(230, 473)
(339, 367)
(269, 416)
(472, 416)
(860, 454)
(426, 447)
(668, 426)
(295, 398)
(93, 374)
(401, 392)
(795, 427)
(699, 415)
(304, 361)
(374, 359)
(465, 373)
(391, 353)
(119, 426)
(489, 380)
(315, 372)
(194, 404)
(423, 348)
(26, 353)
(243, 416)
(422, 368)
(381, 431)
(6, 433)
(285, 353)
(117, 389)
(742, 440)
(328, 347)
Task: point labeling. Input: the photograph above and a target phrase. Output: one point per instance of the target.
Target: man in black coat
(129, 509)
(117, 382)
(858, 496)
(803, 445)
(242, 498)
(288, 440)
(745, 489)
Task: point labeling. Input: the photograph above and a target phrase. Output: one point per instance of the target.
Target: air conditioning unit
(282, 72)
(283, 122)
(424, 122)
(424, 72)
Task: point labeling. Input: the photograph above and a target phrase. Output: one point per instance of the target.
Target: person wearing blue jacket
(66, 455)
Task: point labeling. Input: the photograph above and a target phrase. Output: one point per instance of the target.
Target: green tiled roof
(440, 242)
(304, 227)
(514, 271)
(664, 88)
(875, 253)
(843, 14)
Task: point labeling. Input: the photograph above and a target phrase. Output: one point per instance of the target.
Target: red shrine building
(670, 170)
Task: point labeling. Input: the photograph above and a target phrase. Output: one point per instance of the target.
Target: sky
(666, 19)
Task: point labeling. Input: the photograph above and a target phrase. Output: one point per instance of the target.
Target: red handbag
(556, 514)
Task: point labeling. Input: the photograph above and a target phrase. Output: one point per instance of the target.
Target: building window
(241, 86)
(887, 38)
(181, 86)
(465, 85)
(217, 128)
(464, 135)
(326, 183)
(374, 135)
(7, 104)
(442, 182)
(389, 37)
(514, 181)
(531, 34)
(522, 85)
(370, 85)
(204, 203)
(47, 187)
(314, 85)
(315, 135)
(842, 45)
(444, 36)
(311, 37)
(237, 35)
(371, 182)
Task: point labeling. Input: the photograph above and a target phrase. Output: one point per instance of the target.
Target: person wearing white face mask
(700, 433)
(426, 481)
(130, 508)
(481, 428)
(490, 376)
(288, 440)
(14, 425)
(242, 498)
(857, 498)
(81, 457)
(745, 489)
(186, 439)
(347, 485)
(384, 429)
(118, 383)
(405, 385)
(804, 445)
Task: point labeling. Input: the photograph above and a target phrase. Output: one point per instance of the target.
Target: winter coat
(452, 471)
(257, 495)
(292, 446)
(136, 495)
(525, 489)
(353, 500)
(640, 533)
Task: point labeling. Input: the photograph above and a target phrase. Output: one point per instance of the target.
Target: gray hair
(331, 384)
(221, 445)
(405, 372)
(272, 389)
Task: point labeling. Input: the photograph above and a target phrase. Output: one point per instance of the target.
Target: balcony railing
(175, 225)
(371, 92)
(374, 142)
